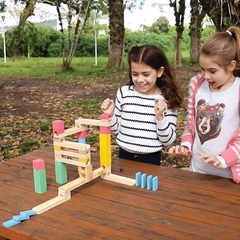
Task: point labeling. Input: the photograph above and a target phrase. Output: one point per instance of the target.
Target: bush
(44, 41)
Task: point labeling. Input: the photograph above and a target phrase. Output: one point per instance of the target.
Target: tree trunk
(179, 11)
(27, 12)
(195, 28)
(116, 27)
(178, 55)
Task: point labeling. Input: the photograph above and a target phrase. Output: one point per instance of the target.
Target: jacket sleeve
(232, 153)
(188, 133)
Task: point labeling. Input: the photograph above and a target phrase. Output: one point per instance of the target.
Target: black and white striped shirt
(135, 125)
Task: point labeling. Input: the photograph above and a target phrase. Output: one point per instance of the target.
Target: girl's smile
(144, 78)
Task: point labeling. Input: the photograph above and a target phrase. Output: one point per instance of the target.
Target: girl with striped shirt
(144, 115)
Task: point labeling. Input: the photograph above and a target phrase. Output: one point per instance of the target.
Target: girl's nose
(140, 78)
(206, 75)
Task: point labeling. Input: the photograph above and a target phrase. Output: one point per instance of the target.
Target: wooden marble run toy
(79, 154)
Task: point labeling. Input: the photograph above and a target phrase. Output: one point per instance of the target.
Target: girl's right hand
(108, 106)
(180, 151)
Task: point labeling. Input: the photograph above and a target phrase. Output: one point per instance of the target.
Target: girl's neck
(224, 86)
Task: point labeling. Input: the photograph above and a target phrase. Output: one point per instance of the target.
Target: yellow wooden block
(84, 160)
(105, 157)
(57, 147)
(105, 149)
(105, 140)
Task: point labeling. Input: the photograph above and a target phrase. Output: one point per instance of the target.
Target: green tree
(222, 13)
(77, 14)
(28, 39)
(29, 7)
(44, 37)
(2, 5)
(160, 26)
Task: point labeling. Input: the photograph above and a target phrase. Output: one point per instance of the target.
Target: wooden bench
(186, 206)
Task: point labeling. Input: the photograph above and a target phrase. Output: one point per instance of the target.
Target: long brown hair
(154, 57)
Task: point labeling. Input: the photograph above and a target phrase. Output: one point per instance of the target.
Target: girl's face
(144, 78)
(218, 77)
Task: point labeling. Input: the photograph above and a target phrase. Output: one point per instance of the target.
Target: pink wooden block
(58, 126)
(105, 130)
(38, 164)
(82, 134)
(105, 116)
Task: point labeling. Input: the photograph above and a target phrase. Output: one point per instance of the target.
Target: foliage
(207, 32)
(2, 5)
(163, 39)
(161, 25)
(76, 20)
(223, 13)
(43, 41)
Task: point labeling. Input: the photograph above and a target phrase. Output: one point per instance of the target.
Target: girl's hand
(212, 160)
(180, 151)
(160, 106)
(108, 106)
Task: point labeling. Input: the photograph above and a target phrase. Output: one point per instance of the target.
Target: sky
(149, 13)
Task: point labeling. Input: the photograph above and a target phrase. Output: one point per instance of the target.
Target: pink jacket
(232, 153)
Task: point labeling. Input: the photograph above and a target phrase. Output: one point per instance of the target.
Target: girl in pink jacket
(212, 134)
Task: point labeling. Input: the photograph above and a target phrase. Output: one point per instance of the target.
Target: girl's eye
(211, 72)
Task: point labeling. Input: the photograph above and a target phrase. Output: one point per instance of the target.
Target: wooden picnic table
(186, 205)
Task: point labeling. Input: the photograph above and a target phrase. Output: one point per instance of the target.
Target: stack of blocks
(39, 174)
(150, 182)
(60, 167)
(105, 143)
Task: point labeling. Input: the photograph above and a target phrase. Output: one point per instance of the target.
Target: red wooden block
(82, 134)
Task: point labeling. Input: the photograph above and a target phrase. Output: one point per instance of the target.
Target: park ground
(29, 105)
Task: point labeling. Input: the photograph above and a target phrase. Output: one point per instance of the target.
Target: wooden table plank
(107, 215)
(186, 206)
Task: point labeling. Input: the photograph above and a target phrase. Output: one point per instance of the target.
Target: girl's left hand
(212, 160)
(160, 107)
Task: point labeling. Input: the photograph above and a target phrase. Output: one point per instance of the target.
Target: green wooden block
(40, 180)
(61, 172)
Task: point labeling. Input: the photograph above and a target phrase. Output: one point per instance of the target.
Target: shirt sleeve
(166, 128)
